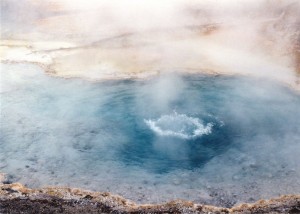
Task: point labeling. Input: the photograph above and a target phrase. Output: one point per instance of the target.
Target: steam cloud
(105, 39)
(108, 39)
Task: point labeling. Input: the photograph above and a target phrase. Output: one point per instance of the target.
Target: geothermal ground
(153, 101)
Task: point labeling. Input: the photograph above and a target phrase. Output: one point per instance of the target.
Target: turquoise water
(173, 136)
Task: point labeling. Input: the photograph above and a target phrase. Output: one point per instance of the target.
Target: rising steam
(55, 131)
(120, 39)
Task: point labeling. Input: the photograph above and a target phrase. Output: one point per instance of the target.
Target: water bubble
(180, 126)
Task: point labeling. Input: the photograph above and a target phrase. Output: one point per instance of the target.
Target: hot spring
(217, 140)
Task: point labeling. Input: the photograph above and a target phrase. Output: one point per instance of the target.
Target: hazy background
(129, 38)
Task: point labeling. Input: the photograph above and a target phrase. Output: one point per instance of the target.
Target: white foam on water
(179, 125)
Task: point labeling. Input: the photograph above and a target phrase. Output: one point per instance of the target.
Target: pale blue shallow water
(218, 140)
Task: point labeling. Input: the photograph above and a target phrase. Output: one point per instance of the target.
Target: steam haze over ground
(187, 99)
(110, 39)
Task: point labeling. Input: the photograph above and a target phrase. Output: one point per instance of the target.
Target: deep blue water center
(213, 100)
(192, 130)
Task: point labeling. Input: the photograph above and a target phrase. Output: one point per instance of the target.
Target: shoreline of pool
(15, 197)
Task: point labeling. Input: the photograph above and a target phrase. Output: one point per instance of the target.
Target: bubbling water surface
(179, 125)
(216, 140)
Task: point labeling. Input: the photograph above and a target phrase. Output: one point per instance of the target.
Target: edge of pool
(16, 198)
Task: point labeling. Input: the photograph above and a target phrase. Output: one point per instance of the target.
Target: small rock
(176, 181)
(155, 183)
(251, 199)
(2, 165)
(253, 165)
(269, 175)
(236, 177)
(89, 197)
(3, 178)
(205, 196)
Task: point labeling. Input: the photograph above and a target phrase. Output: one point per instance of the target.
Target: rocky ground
(15, 198)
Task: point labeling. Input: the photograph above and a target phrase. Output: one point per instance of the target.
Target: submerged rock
(5, 178)
(2, 177)
(15, 197)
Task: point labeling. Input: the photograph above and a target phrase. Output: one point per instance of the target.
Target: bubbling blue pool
(179, 126)
(210, 139)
